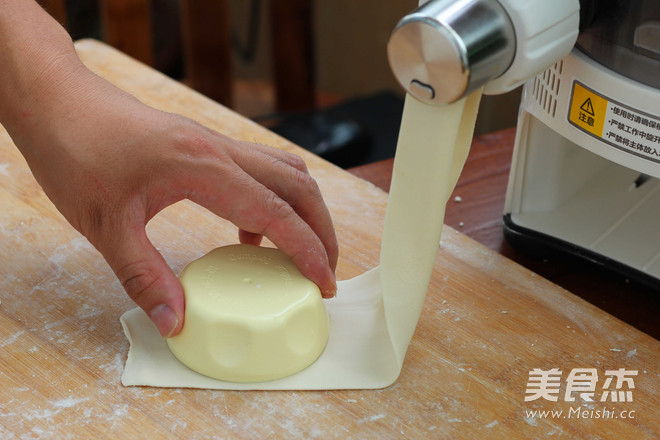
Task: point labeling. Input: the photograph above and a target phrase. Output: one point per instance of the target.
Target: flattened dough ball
(251, 316)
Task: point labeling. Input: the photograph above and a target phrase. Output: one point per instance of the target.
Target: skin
(109, 163)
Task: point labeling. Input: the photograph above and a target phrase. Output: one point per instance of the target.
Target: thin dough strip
(432, 149)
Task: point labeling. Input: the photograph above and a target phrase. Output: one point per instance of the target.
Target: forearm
(36, 58)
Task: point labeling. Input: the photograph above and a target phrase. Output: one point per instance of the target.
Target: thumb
(148, 280)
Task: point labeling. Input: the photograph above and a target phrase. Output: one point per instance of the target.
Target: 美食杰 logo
(584, 386)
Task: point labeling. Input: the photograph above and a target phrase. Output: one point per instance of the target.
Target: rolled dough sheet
(374, 315)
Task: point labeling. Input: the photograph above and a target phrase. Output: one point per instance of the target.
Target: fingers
(268, 177)
(259, 211)
(148, 280)
(246, 237)
(286, 175)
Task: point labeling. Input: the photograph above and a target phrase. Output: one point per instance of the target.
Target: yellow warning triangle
(588, 107)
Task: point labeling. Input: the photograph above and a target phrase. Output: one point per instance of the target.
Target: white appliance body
(586, 168)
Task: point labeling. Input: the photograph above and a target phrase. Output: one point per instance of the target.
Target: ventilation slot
(545, 88)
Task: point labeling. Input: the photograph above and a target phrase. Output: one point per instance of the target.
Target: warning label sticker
(614, 123)
(588, 107)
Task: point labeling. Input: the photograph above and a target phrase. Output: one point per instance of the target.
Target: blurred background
(314, 71)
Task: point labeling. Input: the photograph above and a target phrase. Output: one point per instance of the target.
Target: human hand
(110, 163)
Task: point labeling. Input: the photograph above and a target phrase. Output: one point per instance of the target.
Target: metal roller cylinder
(447, 48)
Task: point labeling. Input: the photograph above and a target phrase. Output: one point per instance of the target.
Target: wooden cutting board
(486, 324)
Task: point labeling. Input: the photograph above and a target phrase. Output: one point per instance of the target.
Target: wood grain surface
(487, 322)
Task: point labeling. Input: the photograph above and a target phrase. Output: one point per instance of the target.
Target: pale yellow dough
(251, 316)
